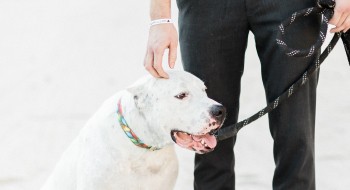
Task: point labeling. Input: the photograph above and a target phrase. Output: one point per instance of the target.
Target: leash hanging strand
(326, 10)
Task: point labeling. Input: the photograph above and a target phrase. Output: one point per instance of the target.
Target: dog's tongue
(210, 140)
(187, 141)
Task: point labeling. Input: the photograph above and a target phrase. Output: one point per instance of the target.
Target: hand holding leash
(341, 17)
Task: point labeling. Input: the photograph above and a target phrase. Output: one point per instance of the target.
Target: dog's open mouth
(200, 143)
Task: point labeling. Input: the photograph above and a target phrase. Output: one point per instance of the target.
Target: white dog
(127, 144)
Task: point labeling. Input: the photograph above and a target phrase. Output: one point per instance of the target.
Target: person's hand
(341, 17)
(161, 37)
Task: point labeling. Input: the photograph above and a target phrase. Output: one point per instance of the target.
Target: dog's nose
(218, 112)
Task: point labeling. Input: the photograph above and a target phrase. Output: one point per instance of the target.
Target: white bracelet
(161, 21)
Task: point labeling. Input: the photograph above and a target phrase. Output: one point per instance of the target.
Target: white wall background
(59, 59)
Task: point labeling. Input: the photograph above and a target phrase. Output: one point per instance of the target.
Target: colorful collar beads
(129, 133)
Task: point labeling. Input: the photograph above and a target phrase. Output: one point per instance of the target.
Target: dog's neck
(151, 135)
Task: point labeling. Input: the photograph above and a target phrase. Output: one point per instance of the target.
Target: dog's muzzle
(204, 141)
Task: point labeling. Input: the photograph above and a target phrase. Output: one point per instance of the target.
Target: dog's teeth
(202, 141)
(206, 145)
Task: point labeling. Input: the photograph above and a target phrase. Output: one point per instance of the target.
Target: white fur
(102, 157)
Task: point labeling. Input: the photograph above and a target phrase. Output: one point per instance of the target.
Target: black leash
(326, 11)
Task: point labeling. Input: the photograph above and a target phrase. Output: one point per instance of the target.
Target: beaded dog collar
(129, 133)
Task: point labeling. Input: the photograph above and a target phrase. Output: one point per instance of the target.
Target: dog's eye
(182, 95)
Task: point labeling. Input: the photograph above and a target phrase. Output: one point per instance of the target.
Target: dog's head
(180, 108)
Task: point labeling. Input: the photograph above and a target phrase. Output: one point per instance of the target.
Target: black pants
(213, 40)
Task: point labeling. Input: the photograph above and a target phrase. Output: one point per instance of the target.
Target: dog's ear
(139, 91)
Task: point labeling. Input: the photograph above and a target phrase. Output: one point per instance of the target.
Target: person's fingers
(148, 64)
(342, 19)
(337, 29)
(158, 58)
(347, 25)
(343, 26)
(336, 17)
(172, 54)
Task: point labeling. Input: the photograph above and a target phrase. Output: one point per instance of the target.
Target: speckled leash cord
(325, 8)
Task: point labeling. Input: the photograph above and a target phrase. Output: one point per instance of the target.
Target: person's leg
(213, 40)
(292, 124)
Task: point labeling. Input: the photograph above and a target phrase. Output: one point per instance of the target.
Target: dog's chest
(147, 166)
(149, 162)
(153, 170)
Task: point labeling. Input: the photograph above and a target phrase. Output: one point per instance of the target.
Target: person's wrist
(160, 14)
(161, 21)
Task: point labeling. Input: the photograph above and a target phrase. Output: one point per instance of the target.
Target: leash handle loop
(326, 13)
(232, 130)
(325, 7)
